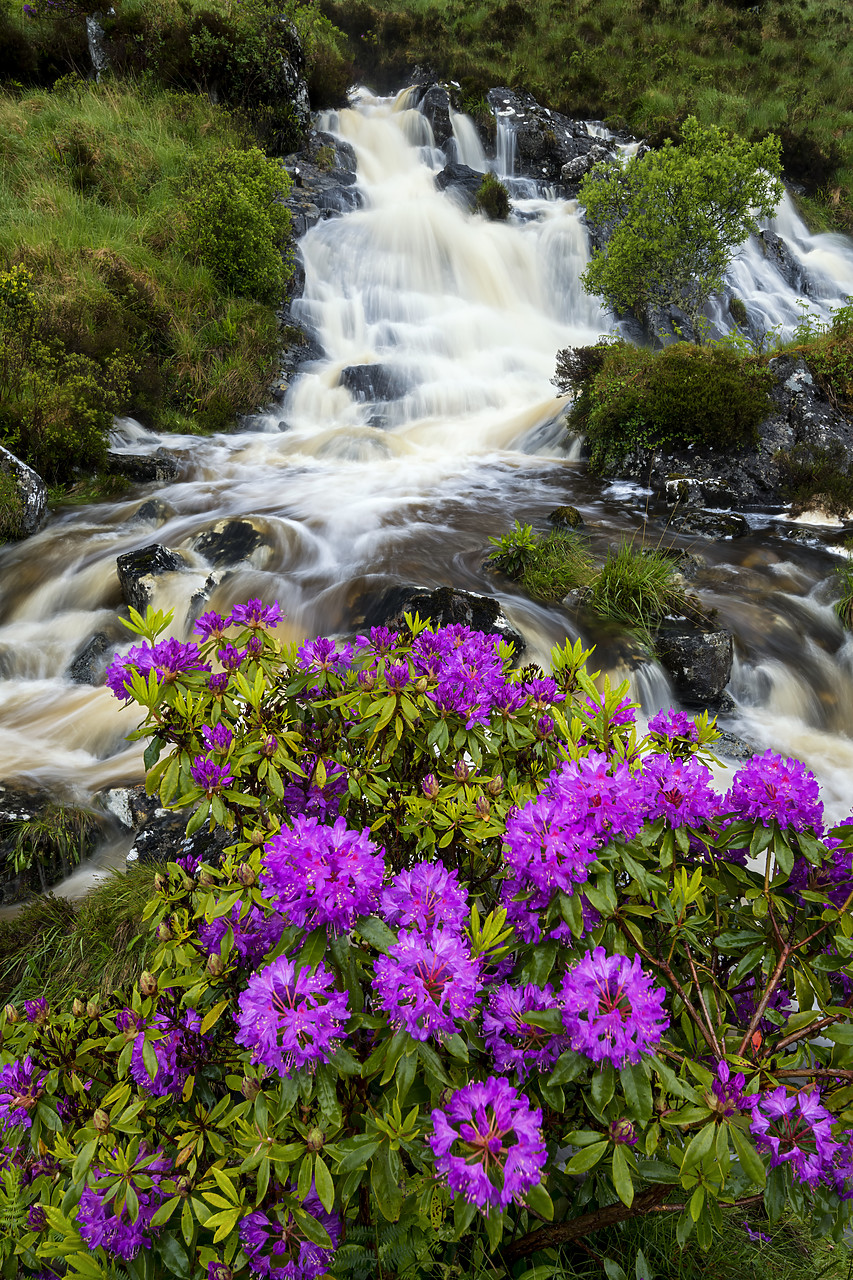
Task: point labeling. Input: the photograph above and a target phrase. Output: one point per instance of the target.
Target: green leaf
(385, 1183)
(622, 1176)
(540, 1202)
(603, 1085)
(149, 1058)
(174, 1255)
(359, 1156)
(313, 949)
(376, 932)
(699, 1147)
(613, 1270)
(324, 1185)
(165, 1211)
(750, 1161)
(494, 1229)
(567, 1068)
(587, 1157)
(638, 1091)
(83, 1160)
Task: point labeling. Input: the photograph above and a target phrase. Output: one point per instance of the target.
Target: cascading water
(463, 318)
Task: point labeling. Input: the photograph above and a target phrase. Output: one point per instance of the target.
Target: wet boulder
(710, 524)
(462, 182)
(236, 541)
(152, 511)
(163, 838)
(90, 663)
(138, 571)
(324, 183)
(434, 105)
(698, 662)
(369, 383)
(545, 140)
(730, 747)
(574, 171)
(24, 509)
(443, 606)
(566, 518)
(142, 468)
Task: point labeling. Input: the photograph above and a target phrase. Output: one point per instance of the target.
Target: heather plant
(481, 970)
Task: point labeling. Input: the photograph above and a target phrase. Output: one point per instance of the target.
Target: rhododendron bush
(481, 968)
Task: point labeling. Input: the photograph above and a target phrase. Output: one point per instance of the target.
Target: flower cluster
(254, 932)
(179, 1051)
(427, 896)
(611, 1010)
(771, 789)
(797, 1129)
(168, 659)
(276, 1247)
(291, 1018)
(517, 1045)
(427, 984)
(323, 875)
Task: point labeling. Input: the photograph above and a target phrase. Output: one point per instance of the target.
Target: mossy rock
(566, 518)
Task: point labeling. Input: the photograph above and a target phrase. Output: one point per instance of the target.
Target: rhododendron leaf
(622, 1176)
(698, 1148)
(587, 1157)
(603, 1085)
(569, 1066)
(385, 1174)
(376, 932)
(494, 1229)
(638, 1090)
(323, 1184)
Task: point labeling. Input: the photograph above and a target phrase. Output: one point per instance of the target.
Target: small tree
(670, 219)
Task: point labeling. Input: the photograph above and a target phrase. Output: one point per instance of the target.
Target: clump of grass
(812, 476)
(844, 579)
(11, 507)
(637, 589)
(50, 950)
(493, 199)
(547, 566)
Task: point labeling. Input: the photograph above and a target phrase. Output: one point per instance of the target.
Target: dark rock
(152, 511)
(298, 348)
(566, 517)
(143, 467)
(731, 747)
(16, 806)
(789, 268)
(435, 106)
(138, 569)
(31, 492)
(444, 606)
(710, 524)
(88, 667)
(233, 541)
(324, 181)
(163, 839)
(545, 140)
(132, 807)
(372, 382)
(699, 662)
(462, 181)
(752, 477)
(574, 171)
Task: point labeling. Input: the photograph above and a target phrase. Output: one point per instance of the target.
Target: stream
(465, 317)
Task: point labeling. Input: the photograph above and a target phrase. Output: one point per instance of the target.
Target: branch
(561, 1232)
(671, 978)
(716, 1044)
(765, 999)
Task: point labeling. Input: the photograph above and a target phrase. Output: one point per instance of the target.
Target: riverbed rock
(235, 541)
(367, 383)
(138, 571)
(710, 524)
(434, 104)
(443, 606)
(566, 518)
(730, 747)
(152, 511)
(324, 181)
(462, 182)
(89, 664)
(699, 662)
(142, 468)
(30, 496)
(163, 839)
(545, 140)
(802, 418)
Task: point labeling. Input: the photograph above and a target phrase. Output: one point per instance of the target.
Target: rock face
(368, 383)
(753, 477)
(545, 141)
(699, 662)
(324, 181)
(434, 104)
(462, 182)
(137, 571)
(163, 839)
(710, 524)
(443, 605)
(143, 467)
(31, 493)
(88, 666)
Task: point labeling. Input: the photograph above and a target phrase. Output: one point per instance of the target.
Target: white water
(468, 316)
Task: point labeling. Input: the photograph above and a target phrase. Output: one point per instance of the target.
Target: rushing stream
(466, 317)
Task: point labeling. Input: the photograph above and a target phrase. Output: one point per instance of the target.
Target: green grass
(546, 566)
(50, 950)
(637, 589)
(784, 66)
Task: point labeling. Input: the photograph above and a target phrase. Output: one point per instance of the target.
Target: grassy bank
(780, 66)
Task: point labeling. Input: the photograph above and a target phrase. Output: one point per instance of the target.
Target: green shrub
(631, 397)
(238, 227)
(828, 350)
(547, 566)
(737, 310)
(514, 550)
(638, 589)
(329, 68)
(493, 199)
(11, 507)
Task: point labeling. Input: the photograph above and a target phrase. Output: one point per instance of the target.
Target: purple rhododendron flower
(178, 1052)
(323, 875)
(303, 796)
(488, 1144)
(211, 777)
(797, 1129)
(324, 655)
(745, 998)
(211, 626)
(20, 1090)
(37, 1010)
(218, 739)
(99, 1224)
(426, 984)
(728, 1091)
(397, 675)
(426, 895)
(679, 791)
(467, 670)
(611, 1009)
(168, 658)
(516, 1045)
(230, 656)
(769, 789)
(254, 933)
(255, 614)
(543, 692)
(218, 682)
(674, 724)
(291, 1018)
(276, 1248)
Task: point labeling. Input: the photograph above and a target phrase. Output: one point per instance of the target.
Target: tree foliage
(671, 218)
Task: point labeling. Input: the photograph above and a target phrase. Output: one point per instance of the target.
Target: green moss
(630, 397)
(493, 199)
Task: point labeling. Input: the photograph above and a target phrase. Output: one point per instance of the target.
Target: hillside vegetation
(782, 66)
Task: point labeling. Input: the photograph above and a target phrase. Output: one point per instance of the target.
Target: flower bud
(215, 965)
(245, 875)
(258, 837)
(544, 727)
(206, 880)
(148, 983)
(160, 883)
(430, 786)
(92, 1009)
(219, 1271)
(183, 1187)
(11, 1014)
(461, 771)
(269, 746)
(316, 1139)
(78, 1008)
(495, 785)
(36, 1218)
(164, 933)
(101, 1121)
(367, 680)
(422, 684)
(622, 1131)
(482, 806)
(255, 647)
(250, 1088)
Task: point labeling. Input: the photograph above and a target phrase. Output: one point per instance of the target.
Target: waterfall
(469, 149)
(444, 428)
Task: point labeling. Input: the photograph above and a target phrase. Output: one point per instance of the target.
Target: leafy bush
(11, 507)
(480, 972)
(493, 199)
(828, 350)
(634, 398)
(238, 227)
(844, 575)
